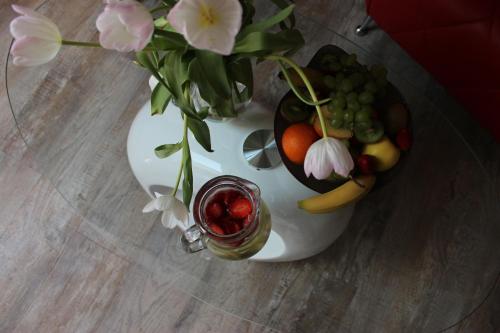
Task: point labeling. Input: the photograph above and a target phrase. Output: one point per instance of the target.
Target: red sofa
(457, 41)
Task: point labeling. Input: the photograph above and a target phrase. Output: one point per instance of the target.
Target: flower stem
(308, 85)
(75, 43)
(179, 174)
(296, 91)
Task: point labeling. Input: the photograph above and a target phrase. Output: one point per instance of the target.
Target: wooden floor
(77, 255)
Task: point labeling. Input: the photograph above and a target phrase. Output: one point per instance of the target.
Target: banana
(341, 196)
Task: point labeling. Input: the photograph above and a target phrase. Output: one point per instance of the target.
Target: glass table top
(419, 246)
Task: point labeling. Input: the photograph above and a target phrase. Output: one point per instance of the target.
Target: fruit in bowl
(361, 109)
(296, 141)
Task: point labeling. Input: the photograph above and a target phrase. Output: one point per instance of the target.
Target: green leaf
(222, 106)
(283, 4)
(144, 60)
(267, 23)
(160, 97)
(264, 43)
(175, 71)
(214, 71)
(187, 170)
(168, 41)
(201, 132)
(203, 112)
(241, 71)
(166, 150)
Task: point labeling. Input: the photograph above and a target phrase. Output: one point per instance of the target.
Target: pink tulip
(328, 155)
(208, 24)
(125, 26)
(37, 39)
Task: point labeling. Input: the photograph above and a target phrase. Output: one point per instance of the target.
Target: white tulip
(174, 212)
(208, 24)
(37, 39)
(327, 155)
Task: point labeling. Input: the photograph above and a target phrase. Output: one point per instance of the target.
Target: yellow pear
(385, 153)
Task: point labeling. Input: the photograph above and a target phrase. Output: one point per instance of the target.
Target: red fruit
(233, 227)
(214, 210)
(404, 139)
(226, 197)
(240, 208)
(366, 164)
(215, 228)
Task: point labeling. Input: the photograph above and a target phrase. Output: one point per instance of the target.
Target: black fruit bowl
(322, 186)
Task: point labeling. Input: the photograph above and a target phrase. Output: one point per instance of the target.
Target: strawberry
(214, 210)
(232, 227)
(404, 139)
(240, 208)
(215, 228)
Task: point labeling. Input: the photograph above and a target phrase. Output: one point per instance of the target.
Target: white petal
(180, 212)
(150, 206)
(29, 13)
(218, 36)
(32, 51)
(339, 157)
(168, 219)
(24, 26)
(164, 202)
(216, 39)
(322, 168)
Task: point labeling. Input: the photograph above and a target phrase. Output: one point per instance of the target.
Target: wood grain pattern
(78, 255)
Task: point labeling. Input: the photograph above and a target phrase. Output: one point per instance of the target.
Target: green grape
(339, 102)
(328, 59)
(351, 60)
(354, 105)
(346, 85)
(335, 66)
(370, 86)
(352, 96)
(329, 81)
(362, 117)
(356, 78)
(331, 107)
(339, 77)
(349, 116)
(369, 134)
(337, 123)
(366, 98)
(331, 57)
(340, 93)
(338, 114)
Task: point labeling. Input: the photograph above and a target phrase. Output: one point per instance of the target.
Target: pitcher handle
(192, 240)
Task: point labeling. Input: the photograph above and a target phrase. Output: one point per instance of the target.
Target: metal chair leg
(363, 28)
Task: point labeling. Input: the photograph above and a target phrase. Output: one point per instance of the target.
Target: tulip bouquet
(190, 46)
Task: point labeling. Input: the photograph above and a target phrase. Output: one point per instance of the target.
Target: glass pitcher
(230, 218)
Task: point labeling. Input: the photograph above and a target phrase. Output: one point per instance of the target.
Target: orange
(296, 141)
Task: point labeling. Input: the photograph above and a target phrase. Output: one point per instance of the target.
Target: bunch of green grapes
(354, 89)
